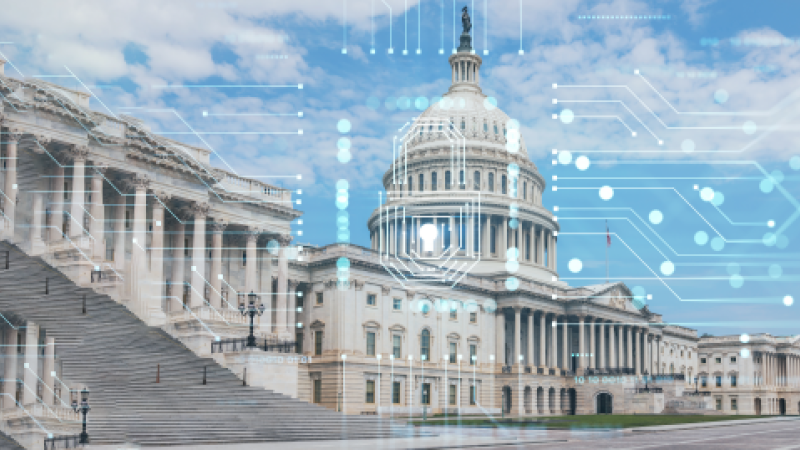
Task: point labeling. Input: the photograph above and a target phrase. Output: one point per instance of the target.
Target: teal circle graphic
(342, 184)
(744, 338)
(707, 194)
(513, 224)
(782, 242)
(512, 253)
(717, 243)
(343, 236)
(512, 124)
(564, 157)
(582, 163)
(766, 185)
(391, 103)
(575, 265)
(606, 192)
(567, 116)
(667, 268)
(736, 281)
(718, 199)
(794, 163)
(512, 146)
(513, 170)
(373, 103)
(273, 247)
(490, 306)
(512, 283)
(656, 217)
(721, 96)
(749, 127)
(733, 268)
(421, 103)
(341, 204)
(512, 266)
(343, 143)
(343, 220)
(769, 239)
(687, 145)
(490, 103)
(403, 103)
(745, 353)
(777, 176)
(343, 126)
(775, 271)
(639, 297)
(701, 238)
(343, 156)
(343, 263)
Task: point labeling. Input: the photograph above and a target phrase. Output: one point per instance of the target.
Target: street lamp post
(252, 310)
(83, 408)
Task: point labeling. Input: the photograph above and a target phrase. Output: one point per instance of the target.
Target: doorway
(604, 403)
(782, 406)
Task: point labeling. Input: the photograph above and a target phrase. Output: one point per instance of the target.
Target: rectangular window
(396, 392)
(473, 354)
(370, 344)
(453, 314)
(317, 391)
(128, 223)
(299, 303)
(702, 360)
(452, 394)
(452, 353)
(397, 304)
(718, 360)
(703, 381)
(733, 380)
(318, 343)
(299, 340)
(719, 404)
(397, 346)
(371, 300)
(733, 359)
(244, 258)
(473, 317)
(319, 298)
(370, 392)
(473, 397)
(734, 406)
(426, 394)
(719, 381)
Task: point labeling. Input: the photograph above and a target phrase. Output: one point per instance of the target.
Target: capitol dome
(463, 167)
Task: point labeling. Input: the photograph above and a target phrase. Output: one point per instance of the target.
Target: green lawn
(592, 421)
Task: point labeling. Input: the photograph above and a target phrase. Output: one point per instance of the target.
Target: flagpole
(608, 244)
(606, 263)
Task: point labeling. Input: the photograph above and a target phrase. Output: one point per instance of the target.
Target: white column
(629, 361)
(76, 229)
(217, 228)
(250, 276)
(592, 347)
(196, 298)
(37, 244)
(138, 268)
(554, 342)
(10, 188)
(29, 374)
(119, 231)
(486, 248)
(10, 363)
(502, 250)
(98, 219)
(500, 336)
(517, 337)
(57, 205)
(530, 351)
(291, 308)
(612, 344)
(638, 351)
(565, 345)
(283, 286)
(555, 253)
(542, 339)
(178, 276)
(48, 395)
(581, 345)
(454, 242)
(470, 250)
(601, 361)
(540, 247)
(156, 262)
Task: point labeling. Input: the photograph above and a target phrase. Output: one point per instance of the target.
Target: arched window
(495, 128)
(476, 180)
(485, 127)
(433, 181)
(525, 190)
(410, 184)
(447, 179)
(463, 124)
(425, 345)
(504, 131)
(491, 182)
(461, 180)
(421, 182)
(503, 185)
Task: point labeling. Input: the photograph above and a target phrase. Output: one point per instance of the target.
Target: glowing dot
(403, 103)
(421, 103)
(391, 103)
(512, 266)
(490, 306)
(567, 116)
(719, 198)
(343, 144)
(343, 156)
(512, 146)
(782, 242)
(639, 297)
(341, 202)
(707, 194)
(794, 163)
(656, 217)
(512, 283)
(343, 263)
(343, 126)
(273, 247)
(749, 127)
(736, 281)
(575, 265)
(775, 271)
(771, 223)
(564, 157)
(766, 185)
(745, 353)
(744, 338)
(701, 238)
(717, 243)
(512, 253)
(733, 268)
(768, 239)
(687, 145)
(777, 176)
(512, 124)
(606, 192)
(582, 163)
(788, 300)
(667, 268)
(490, 103)
(721, 96)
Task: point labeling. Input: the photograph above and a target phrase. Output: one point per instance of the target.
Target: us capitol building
(150, 223)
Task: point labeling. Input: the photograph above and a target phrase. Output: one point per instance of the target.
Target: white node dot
(788, 300)
(771, 223)
(606, 192)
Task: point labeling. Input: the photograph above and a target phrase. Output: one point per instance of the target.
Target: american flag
(608, 236)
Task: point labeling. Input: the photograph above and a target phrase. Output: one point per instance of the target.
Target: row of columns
(640, 345)
(780, 369)
(397, 235)
(28, 380)
(527, 189)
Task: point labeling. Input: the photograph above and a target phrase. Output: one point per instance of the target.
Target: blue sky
(715, 86)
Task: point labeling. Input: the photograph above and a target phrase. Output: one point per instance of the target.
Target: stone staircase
(8, 443)
(116, 355)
